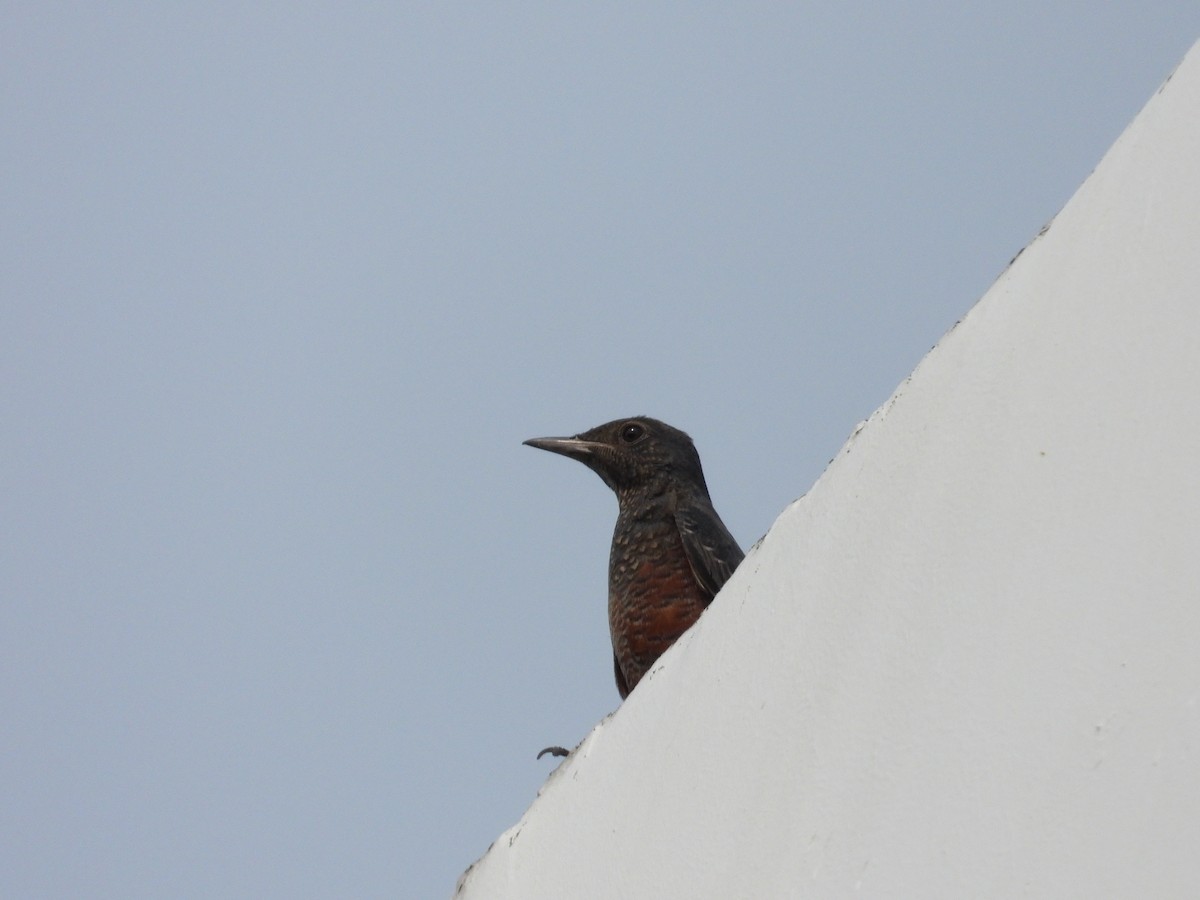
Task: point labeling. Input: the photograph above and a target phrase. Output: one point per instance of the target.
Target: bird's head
(632, 454)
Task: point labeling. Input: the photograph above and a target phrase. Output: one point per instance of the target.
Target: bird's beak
(572, 447)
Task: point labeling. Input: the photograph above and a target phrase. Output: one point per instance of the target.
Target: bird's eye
(632, 431)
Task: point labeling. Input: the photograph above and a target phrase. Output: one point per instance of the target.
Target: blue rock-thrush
(670, 550)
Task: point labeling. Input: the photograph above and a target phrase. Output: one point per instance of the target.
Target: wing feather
(710, 548)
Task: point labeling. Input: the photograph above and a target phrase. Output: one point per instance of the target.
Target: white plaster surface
(967, 663)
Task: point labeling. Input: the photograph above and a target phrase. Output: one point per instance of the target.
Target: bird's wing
(710, 548)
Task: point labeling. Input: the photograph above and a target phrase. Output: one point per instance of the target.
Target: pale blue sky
(287, 609)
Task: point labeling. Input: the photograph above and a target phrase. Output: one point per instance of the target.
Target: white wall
(968, 662)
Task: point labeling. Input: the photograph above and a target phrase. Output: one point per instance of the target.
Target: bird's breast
(653, 596)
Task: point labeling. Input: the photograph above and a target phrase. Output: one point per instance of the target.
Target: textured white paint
(968, 662)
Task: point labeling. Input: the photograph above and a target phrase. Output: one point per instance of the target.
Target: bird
(670, 553)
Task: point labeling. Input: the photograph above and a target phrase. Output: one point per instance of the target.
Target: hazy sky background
(287, 609)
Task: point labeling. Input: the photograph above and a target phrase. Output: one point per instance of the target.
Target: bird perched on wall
(670, 550)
